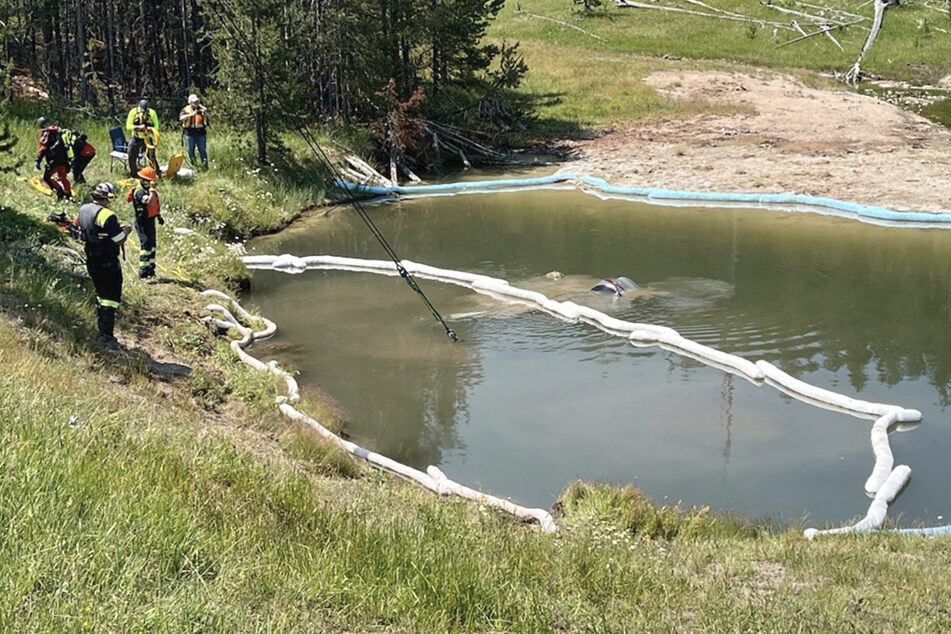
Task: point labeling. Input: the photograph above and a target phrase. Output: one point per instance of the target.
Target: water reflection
(524, 404)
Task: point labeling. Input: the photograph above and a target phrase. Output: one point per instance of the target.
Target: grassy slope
(180, 504)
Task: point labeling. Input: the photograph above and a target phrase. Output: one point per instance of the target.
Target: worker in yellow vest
(143, 124)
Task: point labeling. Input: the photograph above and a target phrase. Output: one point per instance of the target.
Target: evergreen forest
(401, 68)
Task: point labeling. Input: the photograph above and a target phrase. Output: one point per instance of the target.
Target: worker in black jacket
(103, 237)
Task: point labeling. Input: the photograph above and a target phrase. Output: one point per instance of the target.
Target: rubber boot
(107, 323)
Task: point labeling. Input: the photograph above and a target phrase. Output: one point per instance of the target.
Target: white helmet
(104, 191)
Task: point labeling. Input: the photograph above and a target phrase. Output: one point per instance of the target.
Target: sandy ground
(785, 138)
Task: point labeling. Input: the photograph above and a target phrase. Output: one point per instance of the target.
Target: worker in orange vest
(145, 202)
(194, 120)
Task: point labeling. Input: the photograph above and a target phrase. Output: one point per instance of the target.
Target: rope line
(251, 55)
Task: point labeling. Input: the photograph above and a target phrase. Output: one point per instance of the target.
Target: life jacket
(92, 229)
(142, 118)
(76, 143)
(143, 209)
(195, 120)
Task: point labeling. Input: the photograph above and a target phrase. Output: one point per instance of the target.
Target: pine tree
(8, 160)
(254, 51)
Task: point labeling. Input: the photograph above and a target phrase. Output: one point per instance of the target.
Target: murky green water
(526, 403)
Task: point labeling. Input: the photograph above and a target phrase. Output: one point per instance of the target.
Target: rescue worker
(82, 152)
(194, 119)
(54, 150)
(143, 125)
(145, 202)
(103, 237)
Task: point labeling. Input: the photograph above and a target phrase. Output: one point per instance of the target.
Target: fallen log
(808, 35)
(633, 4)
(366, 170)
(519, 10)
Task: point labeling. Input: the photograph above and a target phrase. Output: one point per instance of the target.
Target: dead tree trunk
(854, 75)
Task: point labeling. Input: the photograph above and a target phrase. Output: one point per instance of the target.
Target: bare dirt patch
(784, 137)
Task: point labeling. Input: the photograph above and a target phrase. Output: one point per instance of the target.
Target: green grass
(145, 514)
(586, 70)
(135, 502)
(940, 112)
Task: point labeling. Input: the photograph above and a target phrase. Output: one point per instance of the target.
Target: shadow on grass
(309, 171)
(41, 279)
(179, 282)
(136, 359)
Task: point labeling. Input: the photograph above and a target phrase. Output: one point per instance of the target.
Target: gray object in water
(614, 286)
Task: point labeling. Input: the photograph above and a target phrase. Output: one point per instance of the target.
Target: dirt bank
(784, 138)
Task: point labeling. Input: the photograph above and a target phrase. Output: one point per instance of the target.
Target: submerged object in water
(614, 286)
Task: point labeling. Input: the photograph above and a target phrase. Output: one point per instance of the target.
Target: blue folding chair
(120, 147)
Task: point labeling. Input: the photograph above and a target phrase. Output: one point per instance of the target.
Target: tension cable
(251, 54)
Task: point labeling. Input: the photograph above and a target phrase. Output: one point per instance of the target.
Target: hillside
(159, 489)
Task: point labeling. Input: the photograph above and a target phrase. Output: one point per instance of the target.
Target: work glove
(36, 164)
(161, 220)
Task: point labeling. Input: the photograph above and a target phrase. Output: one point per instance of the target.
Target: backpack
(74, 141)
(56, 149)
